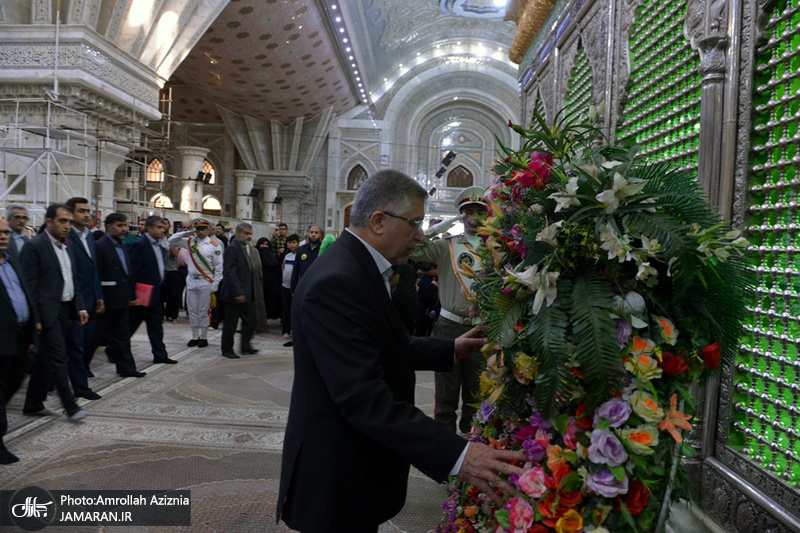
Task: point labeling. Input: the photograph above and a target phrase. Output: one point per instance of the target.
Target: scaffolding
(41, 137)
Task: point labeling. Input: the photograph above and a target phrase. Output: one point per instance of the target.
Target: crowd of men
(72, 287)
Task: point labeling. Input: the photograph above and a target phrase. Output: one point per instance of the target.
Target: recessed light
(341, 30)
(344, 40)
(333, 6)
(455, 98)
(338, 19)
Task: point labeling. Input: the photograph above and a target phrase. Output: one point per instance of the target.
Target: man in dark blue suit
(17, 324)
(82, 338)
(237, 293)
(352, 421)
(114, 269)
(50, 274)
(148, 268)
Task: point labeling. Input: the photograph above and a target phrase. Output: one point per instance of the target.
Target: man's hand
(101, 307)
(38, 327)
(83, 318)
(483, 466)
(134, 303)
(469, 342)
(240, 299)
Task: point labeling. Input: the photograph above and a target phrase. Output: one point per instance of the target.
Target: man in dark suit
(353, 430)
(17, 218)
(114, 269)
(237, 292)
(306, 254)
(147, 256)
(81, 339)
(51, 276)
(17, 324)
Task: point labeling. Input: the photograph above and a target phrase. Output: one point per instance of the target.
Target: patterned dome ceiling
(281, 59)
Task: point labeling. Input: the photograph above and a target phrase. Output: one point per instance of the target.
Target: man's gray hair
(14, 207)
(243, 226)
(388, 190)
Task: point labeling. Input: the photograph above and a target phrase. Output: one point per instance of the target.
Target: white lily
(567, 199)
(549, 233)
(621, 188)
(645, 271)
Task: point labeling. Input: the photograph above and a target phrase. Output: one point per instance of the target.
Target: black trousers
(233, 312)
(175, 282)
(50, 366)
(153, 316)
(116, 323)
(286, 304)
(12, 372)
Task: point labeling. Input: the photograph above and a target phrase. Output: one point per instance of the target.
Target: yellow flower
(644, 367)
(646, 407)
(640, 346)
(668, 331)
(570, 522)
(641, 439)
(525, 367)
(487, 384)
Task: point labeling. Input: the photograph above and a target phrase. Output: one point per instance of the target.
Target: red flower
(636, 499)
(538, 528)
(538, 172)
(711, 356)
(584, 418)
(673, 365)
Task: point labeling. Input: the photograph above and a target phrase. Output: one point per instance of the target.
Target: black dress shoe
(192, 342)
(90, 395)
(202, 343)
(230, 355)
(248, 351)
(288, 344)
(132, 374)
(7, 458)
(164, 361)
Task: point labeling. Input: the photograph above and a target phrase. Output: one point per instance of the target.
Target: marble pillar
(192, 158)
(245, 180)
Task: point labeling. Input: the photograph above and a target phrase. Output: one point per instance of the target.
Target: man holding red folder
(147, 256)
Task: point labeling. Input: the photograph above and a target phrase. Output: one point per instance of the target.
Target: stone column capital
(193, 151)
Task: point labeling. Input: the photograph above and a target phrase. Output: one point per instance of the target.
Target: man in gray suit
(51, 276)
(237, 292)
(17, 218)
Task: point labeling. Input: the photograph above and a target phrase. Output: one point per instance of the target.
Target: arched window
(356, 177)
(459, 177)
(211, 206)
(155, 171)
(208, 168)
(162, 201)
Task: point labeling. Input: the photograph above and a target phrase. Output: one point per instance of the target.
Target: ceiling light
(344, 40)
(358, 78)
(333, 6)
(360, 85)
(341, 30)
(458, 43)
(347, 49)
(500, 3)
(401, 65)
(338, 19)
(455, 98)
(419, 54)
(385, 79)
(353, 65)
(355, 72)
(350, 58)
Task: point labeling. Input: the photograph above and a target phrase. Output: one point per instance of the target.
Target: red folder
(144, 293)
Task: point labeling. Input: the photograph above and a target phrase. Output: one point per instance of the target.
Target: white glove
(444, 225)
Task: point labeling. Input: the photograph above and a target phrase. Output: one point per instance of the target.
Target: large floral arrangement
(609, 286)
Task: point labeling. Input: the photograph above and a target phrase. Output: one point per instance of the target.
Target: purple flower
(506, 291)
(615, 410)
(536, 420)
(606, 448)
(624, 330)
(534, 450)
(486, 412)
(605, 484)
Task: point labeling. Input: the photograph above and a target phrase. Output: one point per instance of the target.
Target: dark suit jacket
(117, 285)
(44, 279)
(353, 430)
(144, 267)
(237, 275)
(12, 247)
(8, 317)
(87, 269)
(303, 260)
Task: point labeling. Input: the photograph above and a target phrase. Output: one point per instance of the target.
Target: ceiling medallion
(486, 9)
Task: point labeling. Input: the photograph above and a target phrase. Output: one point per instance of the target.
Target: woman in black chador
(271, 267)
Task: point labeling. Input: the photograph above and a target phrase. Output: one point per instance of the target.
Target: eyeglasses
(20, 217)
(415, 223)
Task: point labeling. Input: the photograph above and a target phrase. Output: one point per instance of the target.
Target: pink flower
(569, 437)
(538, 172)
(521, 515)
(532, 482)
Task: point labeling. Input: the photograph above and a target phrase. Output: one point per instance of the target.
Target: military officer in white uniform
(205, 273)
(449, 254)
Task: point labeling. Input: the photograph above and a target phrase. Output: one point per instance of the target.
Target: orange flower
(571, 522)
(673, 420)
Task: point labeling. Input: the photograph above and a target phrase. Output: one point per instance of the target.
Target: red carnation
(538, 172)
(673, 365)
(637, 498)
(712, 355)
